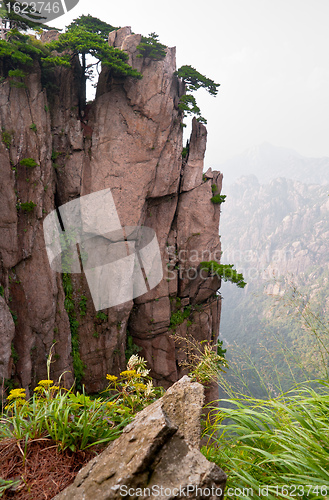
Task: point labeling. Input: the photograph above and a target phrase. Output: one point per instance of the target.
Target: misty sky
(270, 57)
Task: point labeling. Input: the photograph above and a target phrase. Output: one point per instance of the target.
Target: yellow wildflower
(111, 378)
(141, 387)
(46, 383)
(16, 394)
(38, 388)
(128, 373)
(109, 404)
(54, 388)
(18, 402)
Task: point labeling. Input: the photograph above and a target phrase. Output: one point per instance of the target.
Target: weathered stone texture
(160, 448)
(129, 139)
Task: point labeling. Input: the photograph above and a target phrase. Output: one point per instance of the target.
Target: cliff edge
(129, 139)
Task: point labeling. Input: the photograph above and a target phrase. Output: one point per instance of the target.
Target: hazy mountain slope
(268, 162)
(277, 229)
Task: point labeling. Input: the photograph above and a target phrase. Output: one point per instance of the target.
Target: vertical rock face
(129, 139)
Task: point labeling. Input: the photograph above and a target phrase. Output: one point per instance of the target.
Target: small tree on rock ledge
(193, 81)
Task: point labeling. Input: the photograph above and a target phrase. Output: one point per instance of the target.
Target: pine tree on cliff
(88, 35)
(193, 81)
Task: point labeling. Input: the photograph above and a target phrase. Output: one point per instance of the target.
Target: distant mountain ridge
(275, 229)
(268, 162)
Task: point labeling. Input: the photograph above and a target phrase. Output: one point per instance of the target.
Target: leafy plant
(225, 272)
(151, 47)
(204, 360)
(33, 127)
(7, 136)
(83, 305)
(214, 188)
(134, 387)
(218, 199)
(178, 317)
(74, 420)
(2, 291)
(131, 347)
(14, 75)
(14, 354)
(28, 162)
(28, 206)
(102, 316)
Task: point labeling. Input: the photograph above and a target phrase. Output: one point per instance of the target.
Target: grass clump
(280, 444)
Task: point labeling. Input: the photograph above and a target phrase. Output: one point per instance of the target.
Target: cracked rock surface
(129, 139)
(160, 448)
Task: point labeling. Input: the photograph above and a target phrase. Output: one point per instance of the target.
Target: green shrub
(225, 272)
(2, 291)
(102, 316)
(33, 127)
(151, 47)
(7, 137)
(16, 73)
(214, 188)
(218, 199)
(185, 152)
(28, 162)
(177, 318)
(28, 206)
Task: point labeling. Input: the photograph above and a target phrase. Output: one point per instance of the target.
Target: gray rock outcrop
(157, 456)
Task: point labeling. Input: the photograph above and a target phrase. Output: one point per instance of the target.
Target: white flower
(143, 372)
(133, 361)
(149, 391)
